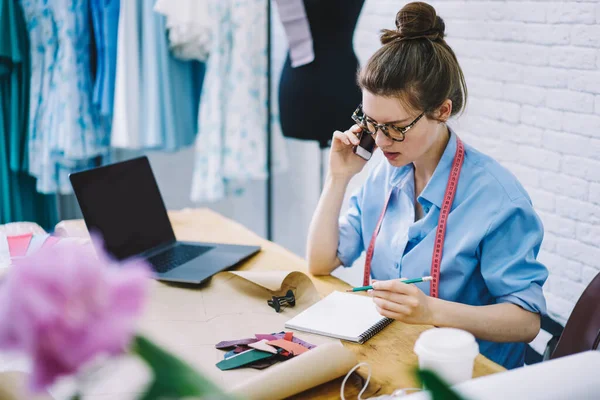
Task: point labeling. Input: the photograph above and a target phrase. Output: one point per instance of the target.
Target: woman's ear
(444, 111)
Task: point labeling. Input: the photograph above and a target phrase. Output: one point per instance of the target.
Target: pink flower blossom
(64, 305)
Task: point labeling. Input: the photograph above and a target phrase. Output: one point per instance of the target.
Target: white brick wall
(533, 71)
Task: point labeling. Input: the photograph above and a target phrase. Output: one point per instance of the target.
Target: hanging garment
(126, 113)
(156, 95)
(66, 133)
(98, 73)
(105, 17)
(318, 98)
(231, 144)
(189, 26)
(171, 89)
(19, 200)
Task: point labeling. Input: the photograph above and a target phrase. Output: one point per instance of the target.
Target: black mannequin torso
(318, 98)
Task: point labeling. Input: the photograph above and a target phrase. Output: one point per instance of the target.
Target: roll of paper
(315, 367)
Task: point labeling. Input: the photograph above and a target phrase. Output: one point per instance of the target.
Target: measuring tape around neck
(438, 245)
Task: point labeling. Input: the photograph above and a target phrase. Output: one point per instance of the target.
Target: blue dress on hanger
(156, 95)
(105, 17)
(66, 133)
(171, 88)
(19, 200)
(96, 9)
(43, 45)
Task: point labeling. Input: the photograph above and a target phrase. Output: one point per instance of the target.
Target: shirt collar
(436, 187)
(401, 176)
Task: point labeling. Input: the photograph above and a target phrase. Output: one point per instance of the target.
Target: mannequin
(317, 98)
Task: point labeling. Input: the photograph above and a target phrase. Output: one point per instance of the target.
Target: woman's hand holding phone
(344, 158)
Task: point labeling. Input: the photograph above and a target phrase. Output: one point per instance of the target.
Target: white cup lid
(446, 343)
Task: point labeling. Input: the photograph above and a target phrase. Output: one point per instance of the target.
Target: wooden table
(390, 352)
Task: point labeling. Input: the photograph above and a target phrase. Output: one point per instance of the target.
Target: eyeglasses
(393, 132)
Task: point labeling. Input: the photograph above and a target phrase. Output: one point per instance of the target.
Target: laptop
(122, 202)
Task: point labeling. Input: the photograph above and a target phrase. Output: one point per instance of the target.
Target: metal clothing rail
(269, 200)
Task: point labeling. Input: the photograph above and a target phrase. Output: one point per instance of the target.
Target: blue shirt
(492, 238)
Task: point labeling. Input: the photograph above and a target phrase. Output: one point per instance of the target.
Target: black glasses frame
(363, 120)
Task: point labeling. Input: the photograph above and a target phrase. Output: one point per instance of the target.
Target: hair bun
(415, 21)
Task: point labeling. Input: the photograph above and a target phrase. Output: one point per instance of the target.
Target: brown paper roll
(315, 367)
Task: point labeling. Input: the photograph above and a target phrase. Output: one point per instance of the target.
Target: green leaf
(439, 389)
(76, 396)
(173, 379)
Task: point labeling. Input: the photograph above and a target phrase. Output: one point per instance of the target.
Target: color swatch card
(37, 241)
(51, 241)
(243, 359)
(4, 251)
(19, 244)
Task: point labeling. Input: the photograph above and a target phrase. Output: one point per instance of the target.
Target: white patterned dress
(65, 131)
(231, 143)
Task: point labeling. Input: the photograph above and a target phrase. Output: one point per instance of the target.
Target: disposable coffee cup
(448, 352)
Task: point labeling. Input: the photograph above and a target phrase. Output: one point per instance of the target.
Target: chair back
(582, 331)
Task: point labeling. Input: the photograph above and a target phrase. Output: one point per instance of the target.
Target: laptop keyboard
(176, 256)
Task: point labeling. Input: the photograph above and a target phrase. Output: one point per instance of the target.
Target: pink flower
(64, 305)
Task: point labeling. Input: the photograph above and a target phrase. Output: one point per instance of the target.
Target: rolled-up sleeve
(508, 257)
(350, 244)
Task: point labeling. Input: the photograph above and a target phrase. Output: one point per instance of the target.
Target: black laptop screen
(122, 202)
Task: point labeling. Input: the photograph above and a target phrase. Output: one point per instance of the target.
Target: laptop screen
(122, 202)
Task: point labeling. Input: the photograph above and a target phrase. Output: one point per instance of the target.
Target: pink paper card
(292, 347)
(51, 241)
(18, 244)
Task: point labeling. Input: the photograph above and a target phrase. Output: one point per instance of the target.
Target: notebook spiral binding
(378, 327)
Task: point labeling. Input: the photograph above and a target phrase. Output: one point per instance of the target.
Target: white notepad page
(341, 315)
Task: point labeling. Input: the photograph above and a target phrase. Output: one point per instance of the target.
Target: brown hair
(415, 63)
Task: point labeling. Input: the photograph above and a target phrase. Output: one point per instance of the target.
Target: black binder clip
(278, 302)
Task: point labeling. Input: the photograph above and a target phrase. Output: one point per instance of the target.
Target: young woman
(489, 282)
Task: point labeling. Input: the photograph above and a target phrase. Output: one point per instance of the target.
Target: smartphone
(366, 146)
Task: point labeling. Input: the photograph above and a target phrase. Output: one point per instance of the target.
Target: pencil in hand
(408, 281)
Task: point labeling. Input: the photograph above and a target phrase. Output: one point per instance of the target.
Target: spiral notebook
(346, 316)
